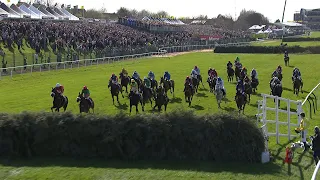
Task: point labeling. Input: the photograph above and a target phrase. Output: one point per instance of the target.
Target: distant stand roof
(28, 11)
(71, 16)
(11, 12)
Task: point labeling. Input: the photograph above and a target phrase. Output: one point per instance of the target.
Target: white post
(0, 74)
(277, 119)
(97, 62)
(21, 70)
(91, 62)
(11, 73)
(299, 111)
(71, 64)
(64, 65)
(40, 67)
(78, 64)
(31, 69)
(49, 66)
(289, 119)
(85, 63)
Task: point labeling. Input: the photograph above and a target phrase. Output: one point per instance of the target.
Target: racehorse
(297, 84)
(230, 73)
(168, 85)
(85, 104)
(195, 83)
(161, 100)
(124, 81)
(254, 84)
(135, 99)
(58, 101)
(286, 60)
(277, 91)
(146, 94)
(219, 95)
(237, 72)
(248, 90)
(212, 83)
(241, 102)
(115, 89)
(188, 93)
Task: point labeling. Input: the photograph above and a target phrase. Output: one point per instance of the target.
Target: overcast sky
(180, 8)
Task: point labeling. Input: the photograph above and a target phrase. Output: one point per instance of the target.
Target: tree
(249, 18)
(122, 12)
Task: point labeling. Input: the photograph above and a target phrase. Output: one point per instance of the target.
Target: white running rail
(315, 172)
(10, 71)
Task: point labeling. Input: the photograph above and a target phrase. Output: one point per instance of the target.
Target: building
(310, 17)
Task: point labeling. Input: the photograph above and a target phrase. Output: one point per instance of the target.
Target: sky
(187, 8)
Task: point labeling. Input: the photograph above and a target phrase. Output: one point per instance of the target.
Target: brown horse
(188, 93)
(167, 85)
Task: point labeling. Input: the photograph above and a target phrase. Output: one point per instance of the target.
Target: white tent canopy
(257, 27)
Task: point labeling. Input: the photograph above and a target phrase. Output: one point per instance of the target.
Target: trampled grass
(31, 93)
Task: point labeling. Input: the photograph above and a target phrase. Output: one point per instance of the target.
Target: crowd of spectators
(88, 37)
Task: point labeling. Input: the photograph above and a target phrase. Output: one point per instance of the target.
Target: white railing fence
(310, 105)
(10, 71)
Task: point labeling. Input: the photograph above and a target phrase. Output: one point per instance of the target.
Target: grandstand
(310, 17)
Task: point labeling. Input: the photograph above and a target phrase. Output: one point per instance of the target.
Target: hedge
(300, 39)
(267, 49)
(174, 136)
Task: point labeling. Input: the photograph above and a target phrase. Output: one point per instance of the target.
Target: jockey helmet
(279, 66)
(150, 72)
(145, 78)
(166, 72)
(196, 67)
(135, 72)
(239, 81)
(133, 81)
(219, 79)
(187, 77)
(122, 69)
(58, 85)
(210, 68)
(244, 67)
(85, 87)
(113, 74)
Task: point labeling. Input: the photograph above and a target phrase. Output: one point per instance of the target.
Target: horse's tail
(66, 103)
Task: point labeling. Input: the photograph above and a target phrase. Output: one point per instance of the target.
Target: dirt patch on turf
(181, 53)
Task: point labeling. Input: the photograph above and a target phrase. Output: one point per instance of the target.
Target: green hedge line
(267, 49)
(300, 39)
(174, 136)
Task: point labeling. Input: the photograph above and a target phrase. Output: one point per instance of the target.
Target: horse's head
(79, 98)
(53, 92)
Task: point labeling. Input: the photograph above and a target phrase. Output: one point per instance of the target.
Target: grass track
(278, 42)
(26, 92)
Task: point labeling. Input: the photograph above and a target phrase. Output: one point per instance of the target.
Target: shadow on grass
(175, 100)
(122, 106)
(200, 166)
(202, 89)
(229, 109)
(201, 95)
(197, 107)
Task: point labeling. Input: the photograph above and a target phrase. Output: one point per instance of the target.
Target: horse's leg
(113, 99)
(52, 109)
(244, 105)
(130, 107)
(137, 111)
(118, 99)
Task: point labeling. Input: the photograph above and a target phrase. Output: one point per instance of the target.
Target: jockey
(254, 74)
(220, 85)
(136, 76)
(243, 72)
(246, 79)
(296, 74)
(59, 89)
(275, 80)
(86, 93)
(210, 71)
(114, 79)
(167, 76)
(214, 73)
(229, 64)
(124, 72)
(279, 69)
(197, 70)
(189, 82)
(194, 74)
(151, 75)
(240, 88)
(134, 86)
(147, 82)
(286, 54)
(238, 65)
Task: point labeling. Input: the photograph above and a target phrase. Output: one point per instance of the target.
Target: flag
(82, 7)
(8, 1)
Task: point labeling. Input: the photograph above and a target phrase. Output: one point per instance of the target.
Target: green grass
(313, 34)
(278, 42)
(31, 93)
